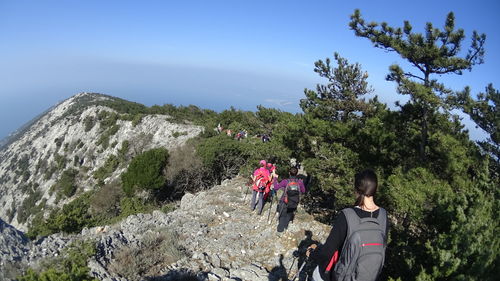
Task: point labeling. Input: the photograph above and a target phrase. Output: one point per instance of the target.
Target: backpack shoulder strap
(382, 219)
(352, 221)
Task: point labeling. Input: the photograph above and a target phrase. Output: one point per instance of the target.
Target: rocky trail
(212, 235)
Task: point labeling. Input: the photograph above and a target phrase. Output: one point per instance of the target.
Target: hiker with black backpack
(355, 248)
(289, 201)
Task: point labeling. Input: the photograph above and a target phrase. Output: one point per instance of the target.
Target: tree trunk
(424, 128)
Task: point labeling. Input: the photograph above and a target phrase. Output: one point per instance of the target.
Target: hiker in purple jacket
(289, 201)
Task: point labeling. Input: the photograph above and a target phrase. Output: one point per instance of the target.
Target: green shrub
(59, 141)
(49, 172)
(123, 150)
(133, 205)
(137, 119)
(29, 206)
(89, 123)
(108, 168)
(106, 135)
(223, 156)
(76, 161)
(23, 163)
(146, 171)
(80, 144)
(60, 161)
(72, 218)
(71, 267)
(66, 184)
(107, 119)
(178, 134)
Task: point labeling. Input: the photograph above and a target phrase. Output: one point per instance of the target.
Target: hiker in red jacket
(289, 201)
(260, 180)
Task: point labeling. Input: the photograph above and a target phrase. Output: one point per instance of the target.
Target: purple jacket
(284, 183)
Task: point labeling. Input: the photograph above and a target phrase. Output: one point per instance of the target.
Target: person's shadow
(302, 249)
(278, 273)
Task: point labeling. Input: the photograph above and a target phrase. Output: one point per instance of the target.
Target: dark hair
(365, 184)
(293, 171)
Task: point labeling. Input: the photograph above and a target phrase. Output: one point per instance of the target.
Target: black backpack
(292, 194)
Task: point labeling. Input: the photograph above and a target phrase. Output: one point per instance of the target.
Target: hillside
(56, 157)
(212, 235)
(115, 171)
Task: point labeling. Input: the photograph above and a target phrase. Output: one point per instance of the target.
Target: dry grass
(185, 171)
(157, 250)
(106, 200)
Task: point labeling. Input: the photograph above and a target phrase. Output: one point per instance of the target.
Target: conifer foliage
(433, 52)
(146, 171)
(339, 99)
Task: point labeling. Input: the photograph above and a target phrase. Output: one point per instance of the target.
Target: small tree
(339, 99)
(435, 52)
(146, 171)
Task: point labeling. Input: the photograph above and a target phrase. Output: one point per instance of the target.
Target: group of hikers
(355, 247)
(265, 184)
(242, 134)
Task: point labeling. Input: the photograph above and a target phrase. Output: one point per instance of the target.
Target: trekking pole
(291, 266)
(248, 188)
(277, 204)
(270, 207)
(246, 193)
(300, 269)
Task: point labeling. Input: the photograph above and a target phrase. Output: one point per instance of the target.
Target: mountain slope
(57, 157)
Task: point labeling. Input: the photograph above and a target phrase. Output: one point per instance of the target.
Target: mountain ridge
(77, 134)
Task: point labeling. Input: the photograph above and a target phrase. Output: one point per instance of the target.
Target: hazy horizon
(211, 54)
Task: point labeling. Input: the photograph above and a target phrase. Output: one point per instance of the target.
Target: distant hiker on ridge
(260, 180)
(219, 129)
(289, 201)
(365, 227)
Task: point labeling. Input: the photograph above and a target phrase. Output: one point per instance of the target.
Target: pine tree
(339, 99)
(435, 52)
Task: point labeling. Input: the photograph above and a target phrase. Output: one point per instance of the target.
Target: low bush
(133, 205)
(185, 172)
(60, 161)
(66, 185)
(72, 266)
(89, 123)
(156, 250)
(137, 119)
(178, 134)
(29, 206)
(70, 219)
(108, 168)
(223, 157)
(107, 119)
(106, 135)
(123, 150)
(146, 171)
(105, 202)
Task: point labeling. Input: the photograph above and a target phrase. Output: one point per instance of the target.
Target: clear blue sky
(213, 54)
